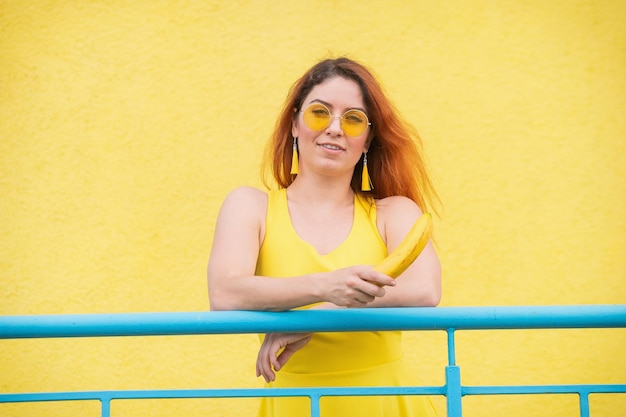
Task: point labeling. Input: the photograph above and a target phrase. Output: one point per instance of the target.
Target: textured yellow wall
(124, 124)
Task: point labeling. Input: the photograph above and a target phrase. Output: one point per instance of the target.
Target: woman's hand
(355, 286)
(271, 359)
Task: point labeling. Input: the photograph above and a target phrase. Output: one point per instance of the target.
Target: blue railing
(448, 319)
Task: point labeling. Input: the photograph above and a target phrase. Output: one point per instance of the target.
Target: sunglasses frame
(331, 118)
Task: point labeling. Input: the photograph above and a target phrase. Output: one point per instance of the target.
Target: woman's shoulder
(397, 205)
(395, 215)
(246, 199)
(247, 193)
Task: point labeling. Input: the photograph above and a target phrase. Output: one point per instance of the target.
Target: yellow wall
(124, 124)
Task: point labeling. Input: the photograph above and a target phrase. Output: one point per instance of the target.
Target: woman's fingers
(368, 286)
(269, 360)
(263, 365)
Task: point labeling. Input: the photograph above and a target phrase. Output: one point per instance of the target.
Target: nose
(334, 126)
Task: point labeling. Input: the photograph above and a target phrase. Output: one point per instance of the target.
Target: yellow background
(123, 124)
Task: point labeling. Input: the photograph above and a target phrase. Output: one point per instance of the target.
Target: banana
(409, 249)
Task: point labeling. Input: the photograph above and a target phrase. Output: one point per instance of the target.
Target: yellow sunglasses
(353, 122)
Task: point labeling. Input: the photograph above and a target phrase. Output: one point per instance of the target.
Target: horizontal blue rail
(449, 319)
(240, 322)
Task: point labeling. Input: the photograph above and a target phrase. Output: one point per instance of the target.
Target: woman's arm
(420, 284)
(239, 232)
(232, 282)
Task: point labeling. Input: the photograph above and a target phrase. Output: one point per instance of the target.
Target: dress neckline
(309, 244)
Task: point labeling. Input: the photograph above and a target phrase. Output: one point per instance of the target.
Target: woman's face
(330, 149)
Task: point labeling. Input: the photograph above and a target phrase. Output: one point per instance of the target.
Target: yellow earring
(366, 181)
(294, 158)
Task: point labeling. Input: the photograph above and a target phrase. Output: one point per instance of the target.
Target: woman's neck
(321, 192)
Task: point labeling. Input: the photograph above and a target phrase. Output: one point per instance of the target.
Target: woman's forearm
(263, 293)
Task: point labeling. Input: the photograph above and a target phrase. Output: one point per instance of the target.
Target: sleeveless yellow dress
(336, 359)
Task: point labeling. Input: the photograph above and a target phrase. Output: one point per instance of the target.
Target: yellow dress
(336, 359)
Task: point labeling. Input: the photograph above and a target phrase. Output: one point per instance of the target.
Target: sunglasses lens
(354, 123)
(316, 117)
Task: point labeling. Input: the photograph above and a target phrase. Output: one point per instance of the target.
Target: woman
(351, 182)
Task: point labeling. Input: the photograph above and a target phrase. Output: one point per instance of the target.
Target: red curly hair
(395, 156)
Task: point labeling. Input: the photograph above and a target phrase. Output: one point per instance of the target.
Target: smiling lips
(331, 146)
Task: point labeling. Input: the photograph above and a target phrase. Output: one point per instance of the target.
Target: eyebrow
(330, 106)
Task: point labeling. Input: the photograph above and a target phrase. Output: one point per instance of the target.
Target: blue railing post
(105, 407)
(453, 380)
(584, 404)
(315, 405)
